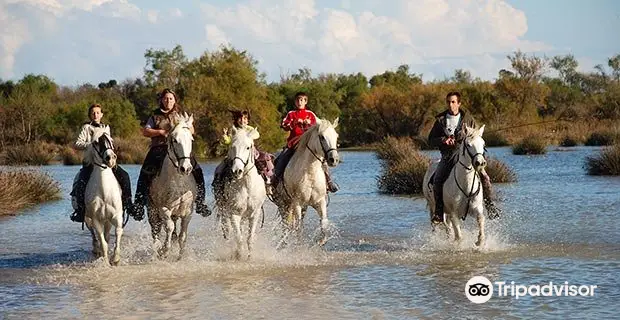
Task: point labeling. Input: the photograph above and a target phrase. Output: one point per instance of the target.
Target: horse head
(323, 142)
(180, 142)
(474, 146)
(102, 153)
(241, 151)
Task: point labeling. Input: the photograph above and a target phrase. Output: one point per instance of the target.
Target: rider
(447, 134)
(297, 122)
(263, 160)
(157, 128)
(95, 113)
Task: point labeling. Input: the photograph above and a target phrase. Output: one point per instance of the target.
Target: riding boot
(438, 215)
(331, 185)
(125, 182)
(150, 168)
(79, 192)
(142, 191)
(493, 212)
(201, 207)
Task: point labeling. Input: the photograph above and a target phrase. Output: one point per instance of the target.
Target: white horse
(173, 191)
(303, 183)
(243, 196)
(462, 191)
(103, 204)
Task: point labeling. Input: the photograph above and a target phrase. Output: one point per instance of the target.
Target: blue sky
(78, 41)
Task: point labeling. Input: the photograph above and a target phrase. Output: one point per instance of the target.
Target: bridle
(107, 144)
(324, 148)
(250, 160)
(177, 157)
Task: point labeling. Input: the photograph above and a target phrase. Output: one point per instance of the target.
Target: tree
(163, 68)
(401, 79)
(566, 66)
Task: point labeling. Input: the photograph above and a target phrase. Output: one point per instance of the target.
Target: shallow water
(382, 261)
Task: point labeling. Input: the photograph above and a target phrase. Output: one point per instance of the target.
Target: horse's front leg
(252, 222)
(456, 226)
(183, 233)
(99, 229)
(322, 211)
(95, 242)
(481, 222)
(118, 224)
(236, 223)
(169, 224)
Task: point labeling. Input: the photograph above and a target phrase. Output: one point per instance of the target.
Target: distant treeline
(396, 103)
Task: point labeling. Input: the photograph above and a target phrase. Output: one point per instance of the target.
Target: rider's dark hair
(454, 93)
(300, 94)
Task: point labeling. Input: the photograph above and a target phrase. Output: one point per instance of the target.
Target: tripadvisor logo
(480, 289)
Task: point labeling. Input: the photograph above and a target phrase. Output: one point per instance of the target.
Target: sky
(79, 41)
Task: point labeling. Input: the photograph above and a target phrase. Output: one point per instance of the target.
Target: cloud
(340, 40)
(75, 41)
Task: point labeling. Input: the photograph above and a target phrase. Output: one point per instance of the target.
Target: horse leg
(456, 226)
(252, 222)
(183, 233)
(96, 247)
(481, 221)
(236, 222)
(118, 224)
(163, 252)
(322, 211)
(103, 244)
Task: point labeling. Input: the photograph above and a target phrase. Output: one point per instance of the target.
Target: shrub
(403, 166)
(71, 157)
(36, 154)
(607, 162)
(568, 141)
(601, 138)
(500, 172)
(530, 145)
(22, 189)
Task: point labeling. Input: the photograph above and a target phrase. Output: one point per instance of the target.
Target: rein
(471, 194)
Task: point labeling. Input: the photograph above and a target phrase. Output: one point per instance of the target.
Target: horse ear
(190, 120)
(481, 130)
(336, 122)
(254, 134)
(233, 131)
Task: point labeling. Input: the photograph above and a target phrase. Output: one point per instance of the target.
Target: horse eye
(248, 148)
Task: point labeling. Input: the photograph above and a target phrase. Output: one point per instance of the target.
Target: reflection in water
(382, 263)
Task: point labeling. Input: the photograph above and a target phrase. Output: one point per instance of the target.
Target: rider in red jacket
(297, 122)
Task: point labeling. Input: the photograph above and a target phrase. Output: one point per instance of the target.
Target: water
(382, 262)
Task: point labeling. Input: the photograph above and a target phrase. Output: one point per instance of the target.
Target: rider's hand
(449, 141)
(307, 121)
(163, 132)
(225, 131)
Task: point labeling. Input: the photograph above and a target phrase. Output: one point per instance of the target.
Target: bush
(530, 145)
(568, 141)
(22, 189)
(36, 154)
(131, 151)
(403, 166)
(494, 139)
(601, 138)
(606, 163)
(500, 172)
(71, 157)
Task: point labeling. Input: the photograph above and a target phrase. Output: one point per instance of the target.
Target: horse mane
(322, 125)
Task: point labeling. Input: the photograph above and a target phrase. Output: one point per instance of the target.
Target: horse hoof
(116, 262)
